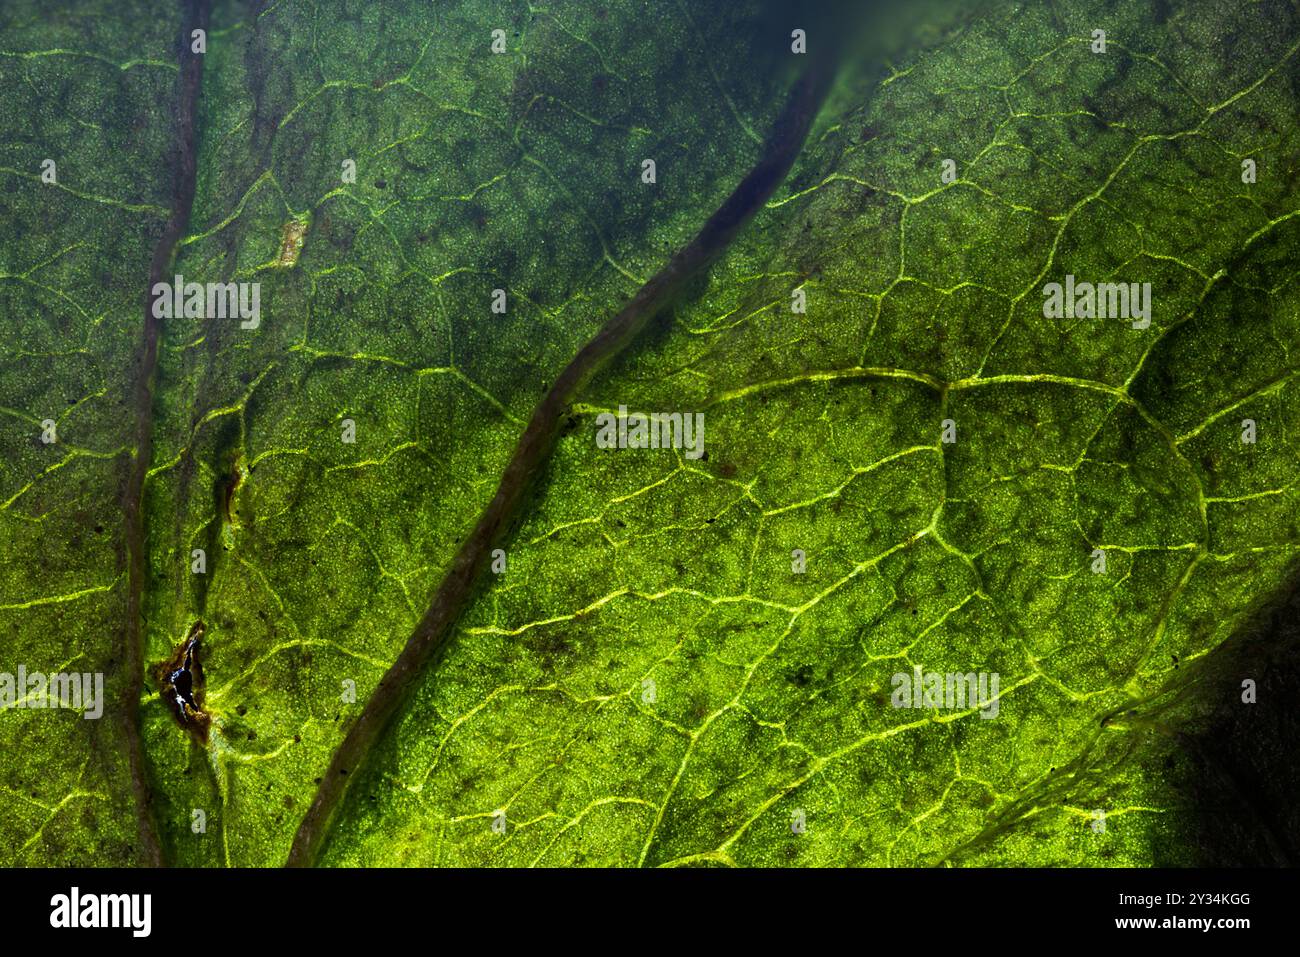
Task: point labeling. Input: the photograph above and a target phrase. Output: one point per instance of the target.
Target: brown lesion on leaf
(180, 679)
(293, 235)
(230, 487)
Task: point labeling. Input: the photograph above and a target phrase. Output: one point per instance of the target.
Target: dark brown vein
(436, 627)
(194, 16)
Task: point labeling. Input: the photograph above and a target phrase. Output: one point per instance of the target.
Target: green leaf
(649, 681)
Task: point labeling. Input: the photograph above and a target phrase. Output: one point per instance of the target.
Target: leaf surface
(648, 682)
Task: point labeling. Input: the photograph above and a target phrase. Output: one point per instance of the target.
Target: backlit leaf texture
(648, 681)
